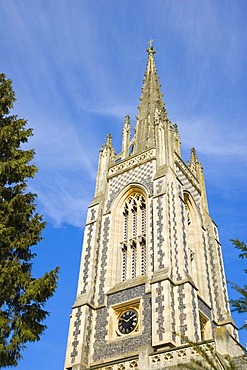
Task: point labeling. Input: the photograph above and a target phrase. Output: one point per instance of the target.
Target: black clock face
(127, 321)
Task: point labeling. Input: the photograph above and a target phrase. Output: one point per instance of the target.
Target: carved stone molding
(131, 162)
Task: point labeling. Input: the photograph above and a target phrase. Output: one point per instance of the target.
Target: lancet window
(133, 244)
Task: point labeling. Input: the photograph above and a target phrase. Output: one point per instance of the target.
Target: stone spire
(150, 102)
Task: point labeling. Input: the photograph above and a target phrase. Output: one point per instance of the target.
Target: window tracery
(133, 243)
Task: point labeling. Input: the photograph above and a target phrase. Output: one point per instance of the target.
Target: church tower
(151, 272)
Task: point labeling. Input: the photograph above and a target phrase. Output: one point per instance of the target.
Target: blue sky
(77, 68)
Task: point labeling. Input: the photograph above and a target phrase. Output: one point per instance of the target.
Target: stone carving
(132, 162)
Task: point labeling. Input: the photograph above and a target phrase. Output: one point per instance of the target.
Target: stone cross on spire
(150, 43)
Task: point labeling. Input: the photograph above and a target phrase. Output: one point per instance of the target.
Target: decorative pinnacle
(108, 143)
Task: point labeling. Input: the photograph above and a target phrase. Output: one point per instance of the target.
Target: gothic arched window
(133, 244)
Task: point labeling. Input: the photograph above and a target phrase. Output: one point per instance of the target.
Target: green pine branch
(22, 296)
(240, 304)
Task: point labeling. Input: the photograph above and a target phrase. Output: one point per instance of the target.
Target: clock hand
(131, 317)
(124, 320)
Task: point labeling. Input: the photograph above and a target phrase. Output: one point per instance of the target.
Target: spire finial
(151, 48)
(150, 43)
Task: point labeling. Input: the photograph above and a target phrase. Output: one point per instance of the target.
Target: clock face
(127, 321)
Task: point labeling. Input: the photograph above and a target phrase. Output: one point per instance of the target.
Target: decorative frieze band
(131, 162)
(128, 365)
(181, 355)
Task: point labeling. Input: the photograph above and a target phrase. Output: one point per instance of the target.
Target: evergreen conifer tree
(240, 304)
(22, 296)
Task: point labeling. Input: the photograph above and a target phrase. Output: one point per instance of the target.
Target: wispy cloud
(214, 137)
(76, 77)
(63, 197)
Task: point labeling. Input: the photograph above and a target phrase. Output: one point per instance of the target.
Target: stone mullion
(143, 221)
(129, 257)
(143, 256)
(133, 259)
(124, 261)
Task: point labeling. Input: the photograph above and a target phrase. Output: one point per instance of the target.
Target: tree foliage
(206, 358)
(240, 304)
(22, 296)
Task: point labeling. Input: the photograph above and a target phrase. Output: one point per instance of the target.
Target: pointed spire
(150, 101)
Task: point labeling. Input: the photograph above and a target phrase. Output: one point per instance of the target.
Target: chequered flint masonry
(142, 174)
(104, 349)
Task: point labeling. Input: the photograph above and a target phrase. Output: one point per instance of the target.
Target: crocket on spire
(150, 101)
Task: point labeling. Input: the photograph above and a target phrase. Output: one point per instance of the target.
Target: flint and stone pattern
(160, 309)
(103, 266)
(76, 332)
(175, 233)
(142, 174)
(195, 314)
(207, 266)
(151, 237)
(218, 307)
(173, 318)
(87, 342)
(181, 306)
(186, 263)
(222, 276)
(170, 233)
(93, 211)
(160, 228)
(97, 256)
(159, 186)
(87, 258)
(105, 350)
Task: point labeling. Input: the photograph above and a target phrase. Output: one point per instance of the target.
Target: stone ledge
(127, 284)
